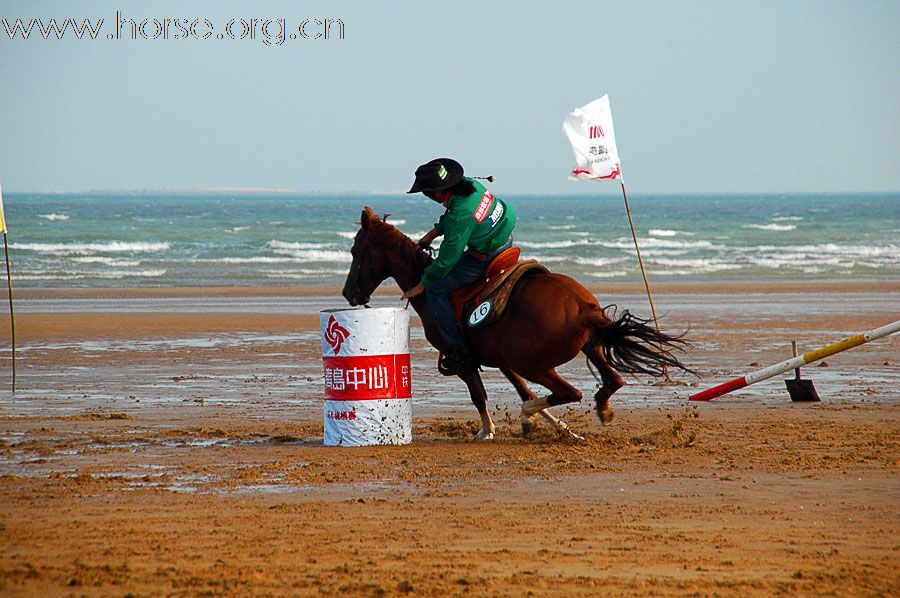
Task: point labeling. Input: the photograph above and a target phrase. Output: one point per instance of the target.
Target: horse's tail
(632, 345)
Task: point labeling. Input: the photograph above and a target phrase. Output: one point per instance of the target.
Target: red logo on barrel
(366, 377)
(335, 335)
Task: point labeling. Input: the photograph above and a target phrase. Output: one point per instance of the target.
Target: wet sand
(169, 442)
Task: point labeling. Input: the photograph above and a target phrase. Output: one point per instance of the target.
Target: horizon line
(263, 191)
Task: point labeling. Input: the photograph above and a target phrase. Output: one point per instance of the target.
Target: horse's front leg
(479, 398)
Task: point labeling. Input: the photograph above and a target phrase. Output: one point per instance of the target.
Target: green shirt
(479, 221)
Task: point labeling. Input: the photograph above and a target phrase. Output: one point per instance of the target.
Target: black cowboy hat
(440, 173)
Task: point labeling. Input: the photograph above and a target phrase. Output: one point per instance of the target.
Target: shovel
(800, 390)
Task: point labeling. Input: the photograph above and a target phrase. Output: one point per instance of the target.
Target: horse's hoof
(484, 435)
(566, 430)
(527, 426)
(531, 408)
(572, 435)
(604, 412)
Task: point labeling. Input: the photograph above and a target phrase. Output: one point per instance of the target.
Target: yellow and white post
(12, 317)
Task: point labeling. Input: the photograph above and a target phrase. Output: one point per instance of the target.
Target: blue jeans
(466, 271)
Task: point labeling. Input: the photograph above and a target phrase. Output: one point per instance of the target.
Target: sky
(707, 97)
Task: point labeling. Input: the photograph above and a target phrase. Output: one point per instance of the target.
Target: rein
(404, 255)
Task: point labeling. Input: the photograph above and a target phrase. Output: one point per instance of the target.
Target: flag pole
(12, 316)
(643, 271)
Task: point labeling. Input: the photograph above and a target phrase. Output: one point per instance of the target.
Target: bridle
(362, 255)
(357, 267)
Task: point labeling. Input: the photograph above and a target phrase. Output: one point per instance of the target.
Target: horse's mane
(394, 240)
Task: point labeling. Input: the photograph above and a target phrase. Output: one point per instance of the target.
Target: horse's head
(370, 266)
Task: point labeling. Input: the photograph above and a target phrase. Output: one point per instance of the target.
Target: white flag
(2, 216)
(590, 131)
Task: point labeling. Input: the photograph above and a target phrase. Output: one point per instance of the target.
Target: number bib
(481, 312)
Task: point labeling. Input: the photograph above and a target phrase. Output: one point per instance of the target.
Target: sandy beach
(169, 442)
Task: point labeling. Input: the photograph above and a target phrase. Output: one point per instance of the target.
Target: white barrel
(365, 353)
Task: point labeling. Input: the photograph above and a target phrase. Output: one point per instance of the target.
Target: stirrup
(442, 368)
(460, 361)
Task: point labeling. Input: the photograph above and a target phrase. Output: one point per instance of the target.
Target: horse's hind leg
(561, 392)
(612, 382)
(526, 394)
(479, 398)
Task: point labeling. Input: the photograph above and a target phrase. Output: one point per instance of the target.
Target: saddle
(483, 302)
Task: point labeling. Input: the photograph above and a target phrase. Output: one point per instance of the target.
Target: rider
(476, 227)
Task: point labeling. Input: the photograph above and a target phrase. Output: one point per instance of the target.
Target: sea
(250, 239)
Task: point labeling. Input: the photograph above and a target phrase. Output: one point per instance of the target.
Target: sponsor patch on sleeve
(481, 212)
(496, 215)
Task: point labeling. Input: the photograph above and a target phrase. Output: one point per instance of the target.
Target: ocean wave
(800, 261)
(107, 261)
(675, 273)
(548, 259)
(346, 235)
(237, 229)
(662, 232)
(107, 275)
(832, 261)
(600, 262)
(890, 251)
(298, 257)
(63, 249)
(54, 217)
(656, 252)
(294, 246)
(244, 260)
(627, 243)
(552, 244)
(787, 219)
(563, 227)
(610, 274)
(772, 227)
(317, 255)
(302, 273)
(697, 265)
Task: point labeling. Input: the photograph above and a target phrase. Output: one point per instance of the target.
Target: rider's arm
(458, 226)
(439, 225)
(429, 237)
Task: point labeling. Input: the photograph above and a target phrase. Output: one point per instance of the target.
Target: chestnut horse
(549, 319)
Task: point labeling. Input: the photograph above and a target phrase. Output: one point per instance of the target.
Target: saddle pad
(489, 305)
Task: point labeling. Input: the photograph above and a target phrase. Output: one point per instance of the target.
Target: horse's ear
(368, 217)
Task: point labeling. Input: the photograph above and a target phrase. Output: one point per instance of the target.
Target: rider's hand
(413, 292)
